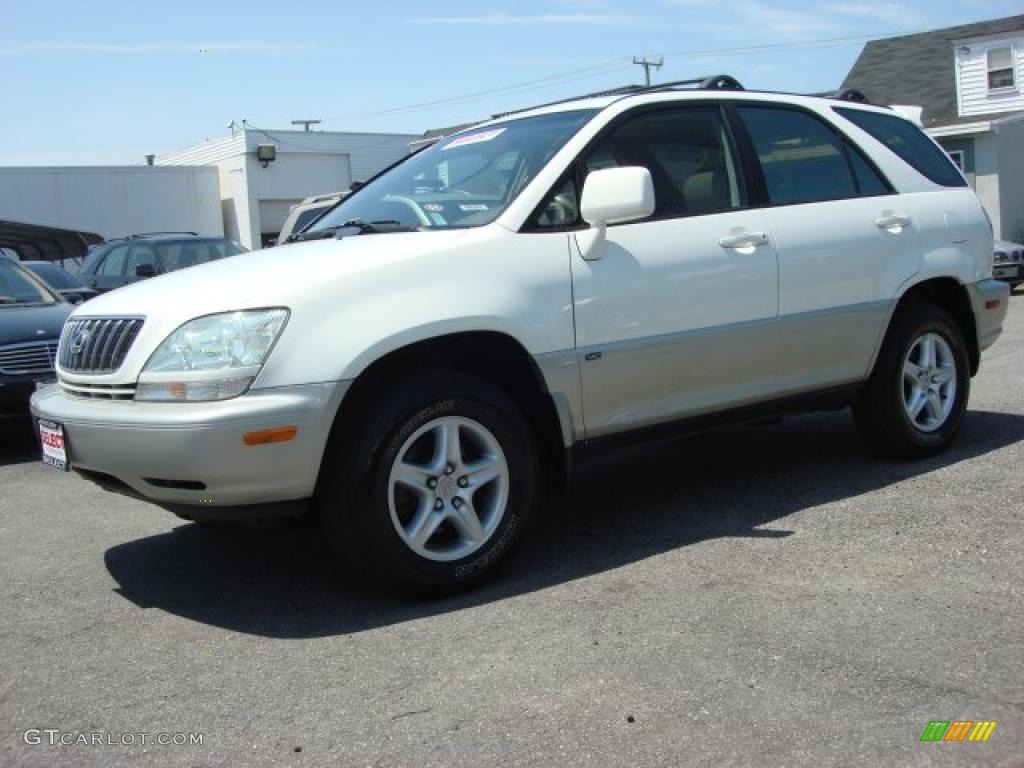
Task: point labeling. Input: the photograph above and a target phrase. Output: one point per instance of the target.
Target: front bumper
(190, 457)
(989, 300)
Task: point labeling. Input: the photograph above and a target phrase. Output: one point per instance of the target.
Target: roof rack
(708, 83)
(140, 235)
(844, 94)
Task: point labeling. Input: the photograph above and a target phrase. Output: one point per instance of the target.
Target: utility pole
(647, 64)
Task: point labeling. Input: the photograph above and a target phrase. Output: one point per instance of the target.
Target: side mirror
(612, 196)
(74, 298)
(145, 270)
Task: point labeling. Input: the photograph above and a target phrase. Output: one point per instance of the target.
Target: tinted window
(113, 262)
(181, 254)
(688, 154)
(910, 143)
(307, 216)
(140, 255)
(18, 286)
(869, 181)
(54, 275)
(92, 260)
(800, 156)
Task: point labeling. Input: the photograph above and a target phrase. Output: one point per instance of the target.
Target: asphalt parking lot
(762, 596)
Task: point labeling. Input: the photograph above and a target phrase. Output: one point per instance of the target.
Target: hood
(1006, 245)
(32, 323)
(271, 277)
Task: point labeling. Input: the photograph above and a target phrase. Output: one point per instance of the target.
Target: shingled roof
(919, 69)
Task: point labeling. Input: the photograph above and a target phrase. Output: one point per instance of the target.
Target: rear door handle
(740, 240)
(893, 222)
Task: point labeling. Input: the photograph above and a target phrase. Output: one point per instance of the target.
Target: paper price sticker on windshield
(475, 138)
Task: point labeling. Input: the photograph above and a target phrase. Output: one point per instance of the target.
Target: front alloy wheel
(432, 483)
(448, 488)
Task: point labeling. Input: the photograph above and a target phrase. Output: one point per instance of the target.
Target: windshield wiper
(353, 227)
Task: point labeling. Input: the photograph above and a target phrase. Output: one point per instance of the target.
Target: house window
(1000, 68)
(957, 156)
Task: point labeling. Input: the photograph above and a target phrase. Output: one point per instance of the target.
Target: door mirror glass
(616, 195)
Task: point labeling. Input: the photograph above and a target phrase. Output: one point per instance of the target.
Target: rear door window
(801, 157)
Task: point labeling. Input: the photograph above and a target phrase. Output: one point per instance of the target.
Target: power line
(606, 66)
(610, 65)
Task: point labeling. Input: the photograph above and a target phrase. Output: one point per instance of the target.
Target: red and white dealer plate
(55, 452)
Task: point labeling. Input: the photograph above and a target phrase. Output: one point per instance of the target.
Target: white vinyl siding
(974, 61)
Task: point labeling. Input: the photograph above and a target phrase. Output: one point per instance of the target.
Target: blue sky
(107, 81)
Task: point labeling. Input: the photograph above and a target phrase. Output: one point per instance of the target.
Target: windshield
(19, 286)
(54, 275)
(464, 180)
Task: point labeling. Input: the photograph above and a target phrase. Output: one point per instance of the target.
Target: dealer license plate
(55, 450)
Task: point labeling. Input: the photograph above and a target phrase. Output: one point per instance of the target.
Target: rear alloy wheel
(433, 483)
(914, 402)
(929, 382)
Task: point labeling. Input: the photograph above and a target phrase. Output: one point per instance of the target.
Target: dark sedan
(62, 281)
(31, 318)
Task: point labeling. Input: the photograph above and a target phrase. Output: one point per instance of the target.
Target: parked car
(449, 340)
(63, 282)
(120, 262)
(1008, 262)
(31, 318)
(303, 214)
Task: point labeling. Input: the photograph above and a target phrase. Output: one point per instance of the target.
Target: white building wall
(1010, 139)
(986, 176)
(973, 95)
(114, 201)
(255, 200)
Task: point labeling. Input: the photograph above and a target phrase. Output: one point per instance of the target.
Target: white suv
(446, 342)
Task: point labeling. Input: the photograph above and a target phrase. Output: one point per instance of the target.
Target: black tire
(879, 411)
(353, 497)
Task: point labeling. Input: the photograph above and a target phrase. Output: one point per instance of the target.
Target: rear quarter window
(909, 143)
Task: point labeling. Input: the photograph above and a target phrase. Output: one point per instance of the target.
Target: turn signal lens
(267, 436)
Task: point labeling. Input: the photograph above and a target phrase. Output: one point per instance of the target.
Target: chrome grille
(29, 357)
(97, 344)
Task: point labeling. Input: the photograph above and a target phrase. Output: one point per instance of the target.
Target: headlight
(999, 257)
(211, 358)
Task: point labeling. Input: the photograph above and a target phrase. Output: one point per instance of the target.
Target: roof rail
(707, 83)
(139, 235)
(844, 94)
